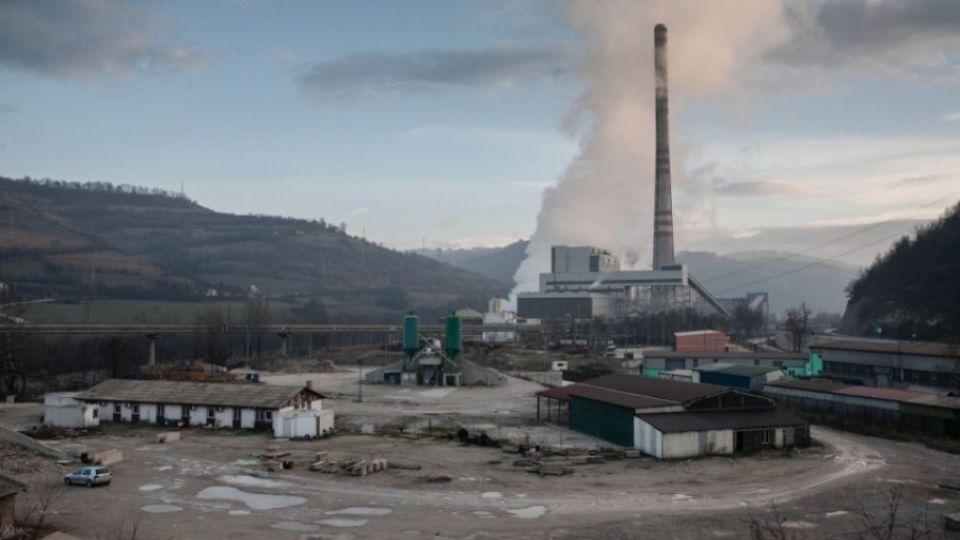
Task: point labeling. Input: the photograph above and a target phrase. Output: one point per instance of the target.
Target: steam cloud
(605, 197)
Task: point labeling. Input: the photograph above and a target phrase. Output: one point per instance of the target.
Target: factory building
(586, 282)
(287, 410)
(699, 341)
(895, 364)
(939, 415)
(743, 377)
(671, 419)
(793, 364)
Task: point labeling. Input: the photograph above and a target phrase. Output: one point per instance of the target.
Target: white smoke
(605, 197)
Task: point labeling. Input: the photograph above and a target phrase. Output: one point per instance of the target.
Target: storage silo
(411, 335)
(453, 341)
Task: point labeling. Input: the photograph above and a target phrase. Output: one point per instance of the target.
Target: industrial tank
(453, 340)
(411, 334)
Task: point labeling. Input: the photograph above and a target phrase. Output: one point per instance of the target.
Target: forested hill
(72, 240)
(913, 289)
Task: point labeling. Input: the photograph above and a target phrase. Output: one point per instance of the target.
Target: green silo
(411, 335)
(453, 341)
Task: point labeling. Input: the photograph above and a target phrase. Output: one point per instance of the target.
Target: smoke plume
(605, 196)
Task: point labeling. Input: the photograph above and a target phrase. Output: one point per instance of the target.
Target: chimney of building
(663, 202)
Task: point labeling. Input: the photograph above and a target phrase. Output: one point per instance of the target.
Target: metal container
(453, 341)
(411, 334)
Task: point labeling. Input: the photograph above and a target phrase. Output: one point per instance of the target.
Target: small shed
(62, 410)
(311, 422)
(9, 488)
(742, 377)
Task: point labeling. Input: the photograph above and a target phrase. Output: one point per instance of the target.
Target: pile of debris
(559, 462)
(355, 467)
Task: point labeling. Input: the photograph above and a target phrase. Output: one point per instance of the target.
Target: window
(96, 413)
(264, 415)
(210, 412)
(116, 408)
(766, 436)
(135, 407)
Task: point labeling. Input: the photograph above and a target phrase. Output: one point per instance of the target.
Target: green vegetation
(912, 291)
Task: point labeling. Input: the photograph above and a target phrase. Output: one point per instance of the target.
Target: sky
(437, 123)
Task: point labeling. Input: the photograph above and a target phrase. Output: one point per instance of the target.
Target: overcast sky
(440, 121)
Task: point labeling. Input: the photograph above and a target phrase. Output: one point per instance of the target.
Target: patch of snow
(437, 393)
(254, 501)
(937, 501)
(362, 511)
(492, 495)
(531, 512)
(798, 525)
(150, 487)
(341, 522)
(294, 526)
(161, 508)
(681, 497)
(245, 462)
(163, 468)
(836, 513)
(246, 480)
(239, 512)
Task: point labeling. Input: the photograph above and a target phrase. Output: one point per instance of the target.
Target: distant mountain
(913, 290)
(83, 240)
(821, 285)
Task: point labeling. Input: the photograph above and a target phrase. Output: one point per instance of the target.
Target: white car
(88, 476)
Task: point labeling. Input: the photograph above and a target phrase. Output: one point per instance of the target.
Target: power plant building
(587, 282)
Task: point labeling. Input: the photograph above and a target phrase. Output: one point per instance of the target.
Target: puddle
(254, 501)
(239, 512)
(246, 480)
(294, 526)
(837, 513)
(150, 487)
(362, 511)
(163, 468)
(681, 497)
(492, 495)
(531, 512)
(798, 525)
(161, 508)
(341, 522)
(437, 393)
(245, 462)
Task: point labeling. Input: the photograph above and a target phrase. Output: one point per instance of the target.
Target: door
(236, 418)
(185, 415)
(160, 414)
(117, 417)
(135, 413)
(211, 416)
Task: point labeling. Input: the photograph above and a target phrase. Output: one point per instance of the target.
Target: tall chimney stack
(663, 205)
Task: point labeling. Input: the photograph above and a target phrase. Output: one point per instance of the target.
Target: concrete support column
(283, 343)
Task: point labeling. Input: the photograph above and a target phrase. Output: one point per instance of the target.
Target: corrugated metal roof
(810, 385)
(193, 393)
(894, 347)
(703, 421)
(889, 394)
(615, 397)
(667, 389)
(560, 392)
(738, 370)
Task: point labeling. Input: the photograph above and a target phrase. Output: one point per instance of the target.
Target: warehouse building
(939, 415)
(63, 410)
(743, 377)
(894, 364)
(289, 411)
(671, 419)
(793, 364)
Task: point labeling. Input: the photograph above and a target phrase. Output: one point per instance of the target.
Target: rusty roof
(193, 393)
(680, 422)
(666, 389)
(888, 394)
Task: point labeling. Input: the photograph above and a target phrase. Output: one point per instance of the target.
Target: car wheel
(89, 483)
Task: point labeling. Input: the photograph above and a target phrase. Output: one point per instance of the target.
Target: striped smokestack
(663, 205)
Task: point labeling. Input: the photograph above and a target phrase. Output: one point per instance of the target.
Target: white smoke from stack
(605, 197)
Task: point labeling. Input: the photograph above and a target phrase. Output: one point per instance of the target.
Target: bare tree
(256, 315)
(797, 324)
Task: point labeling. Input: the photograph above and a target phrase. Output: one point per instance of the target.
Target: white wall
(646, 438)
(248, 418)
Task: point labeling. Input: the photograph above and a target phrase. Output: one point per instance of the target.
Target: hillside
(912, 290)
(97, 240)
(820, 286)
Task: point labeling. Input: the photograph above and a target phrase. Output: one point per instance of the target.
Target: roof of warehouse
(735, 369)
(560, 392)
(193, 393)
(725, 354)
(943, 402)
(889, 394)
(896, 347)
(656, 388)
(703, 421)
(616, 397)
(810, 385)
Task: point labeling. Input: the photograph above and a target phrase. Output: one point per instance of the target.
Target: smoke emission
(605, 196)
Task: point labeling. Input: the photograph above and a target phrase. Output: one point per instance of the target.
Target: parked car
(88, 476)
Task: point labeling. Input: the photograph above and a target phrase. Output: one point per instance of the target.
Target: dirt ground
(209, 485)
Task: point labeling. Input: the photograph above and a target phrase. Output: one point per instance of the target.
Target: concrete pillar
(152, 358)
(283, 344)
